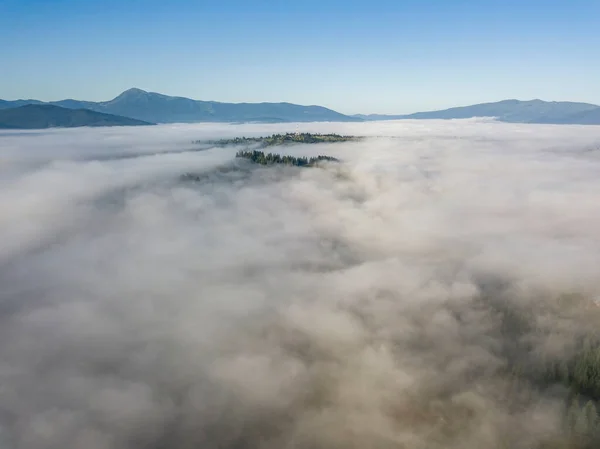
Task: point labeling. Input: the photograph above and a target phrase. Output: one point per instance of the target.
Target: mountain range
(158, 108)
(151, 107)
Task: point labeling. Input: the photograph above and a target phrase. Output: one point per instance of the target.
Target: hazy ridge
(158, 108)
(511, 111)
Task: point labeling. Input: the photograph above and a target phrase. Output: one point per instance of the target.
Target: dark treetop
(271, 158)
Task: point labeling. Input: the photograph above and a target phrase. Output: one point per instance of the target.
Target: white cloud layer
(350, 307)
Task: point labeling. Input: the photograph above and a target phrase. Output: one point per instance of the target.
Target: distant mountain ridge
(40, 116)
(159, 108)
(512, 111)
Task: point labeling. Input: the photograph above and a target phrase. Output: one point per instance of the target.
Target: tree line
(282, 139)
(260, 157)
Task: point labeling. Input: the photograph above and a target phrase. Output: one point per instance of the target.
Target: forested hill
(39, 116)
(282, 139)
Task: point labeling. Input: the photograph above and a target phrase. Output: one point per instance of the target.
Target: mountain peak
(131, 93)
(134, 91)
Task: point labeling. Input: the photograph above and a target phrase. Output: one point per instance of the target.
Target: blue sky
(353, 56)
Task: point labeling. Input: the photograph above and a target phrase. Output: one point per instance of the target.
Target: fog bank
(370, 304)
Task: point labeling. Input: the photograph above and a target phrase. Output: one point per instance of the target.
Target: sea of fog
(360, 305)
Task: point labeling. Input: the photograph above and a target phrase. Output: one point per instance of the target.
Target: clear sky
(353, 56)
